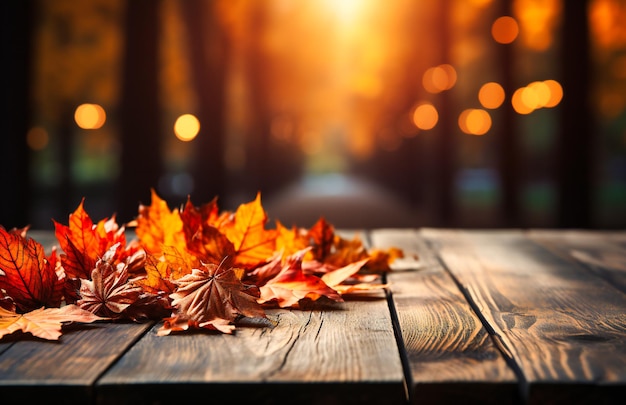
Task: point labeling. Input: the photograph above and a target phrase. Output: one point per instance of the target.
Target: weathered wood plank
(345, 353)
(564, 327)
(63, 372)
(599, 252)
(450, 354)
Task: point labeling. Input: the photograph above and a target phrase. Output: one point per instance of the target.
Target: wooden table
(483, 316)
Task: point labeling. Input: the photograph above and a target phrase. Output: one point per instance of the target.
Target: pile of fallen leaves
(193, 268)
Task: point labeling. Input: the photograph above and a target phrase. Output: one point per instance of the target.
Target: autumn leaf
(178, 324)
(291, 285)
(253, 243)
(211, 246)
(338, 276)
(210, 297)
(345, 280)
(111, 294)
(26, 275)
(157, 226)
(207, 214)
(263, 273)
(291, 240)
(158, 276)
(84, 242)
(346, 251)
(380, 260)
(45, 323)
(322, 234)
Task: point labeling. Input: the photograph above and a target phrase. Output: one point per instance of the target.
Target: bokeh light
(186, 127)
(90, 116)
(505, 30)
(37, 138)
(518, 103)
(556, 93)
(491, 95)
(475, 121)
(425, 116)
(538, 94)
(439, 78)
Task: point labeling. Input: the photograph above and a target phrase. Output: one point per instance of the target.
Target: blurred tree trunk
(269, 164)
(209, 58)
(575, 143)
(509, 150)
(17, 26)
(140, 124)
(444, 165)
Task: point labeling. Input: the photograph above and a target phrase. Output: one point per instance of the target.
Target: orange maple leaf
(157, 226)
(291, 285)
(345, 280)
(253, 243)
(380, 260)
(291, 240)
(26, 275)
(160, 271)
(43, 323)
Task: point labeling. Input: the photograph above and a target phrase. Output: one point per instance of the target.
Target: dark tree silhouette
(208, 55)
(14, 167)
(141, 156)
(575, 143)
(508, 151)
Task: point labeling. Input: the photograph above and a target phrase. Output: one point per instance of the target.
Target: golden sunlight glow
(37, 138)
(439, 78)
(538, 19)
(474, 121)
(425, 116)
(186, 127)
(491, 95)
(90, 116)
(504, 30)
(345, 10)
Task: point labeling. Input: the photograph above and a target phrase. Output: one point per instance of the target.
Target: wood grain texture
(602, 253)
(346, 352)
(450, 355)
(564, 327)
(64, 371)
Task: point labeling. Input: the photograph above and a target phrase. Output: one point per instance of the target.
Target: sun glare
(345, 10)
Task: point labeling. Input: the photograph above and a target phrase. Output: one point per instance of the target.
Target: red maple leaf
(84, 242)
(322, 236)
(291, 285)
(31, 279)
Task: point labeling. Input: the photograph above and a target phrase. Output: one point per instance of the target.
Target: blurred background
(447, 113)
